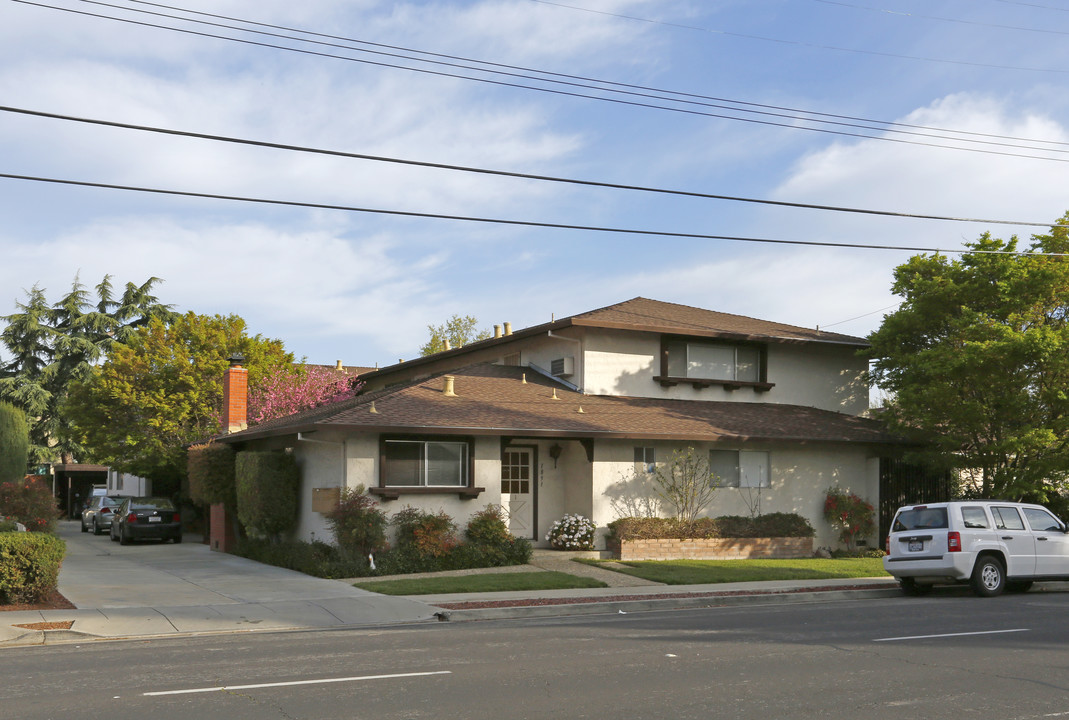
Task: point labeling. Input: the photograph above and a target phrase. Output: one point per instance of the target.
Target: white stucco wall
(822, 376)
(799, 478)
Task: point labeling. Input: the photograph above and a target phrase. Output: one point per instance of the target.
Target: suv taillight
(953, 541)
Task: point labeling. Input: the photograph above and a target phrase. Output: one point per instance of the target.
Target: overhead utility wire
(798, 113)
(501, 173)
(959, 21)
(618, 101)
(581, 85)
(745, 36)
(521, 223)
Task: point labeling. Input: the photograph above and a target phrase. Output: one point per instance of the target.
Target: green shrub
(433, 534)
(770, 525)
(7, 525)
(488, 527)
(212, 474)
(268, 488)
(783, 525)
(29, 502)
(29, 566)
(359, 526)
(14, 443)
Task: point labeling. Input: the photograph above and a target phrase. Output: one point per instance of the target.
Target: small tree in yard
(684, 483)
(850, 515)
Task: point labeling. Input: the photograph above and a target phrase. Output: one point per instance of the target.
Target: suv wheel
(988, 577)
(913, 588)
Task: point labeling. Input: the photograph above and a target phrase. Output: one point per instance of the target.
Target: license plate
(155, 518)
(916, 545)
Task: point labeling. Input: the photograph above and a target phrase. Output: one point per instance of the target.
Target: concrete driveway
(154, 588)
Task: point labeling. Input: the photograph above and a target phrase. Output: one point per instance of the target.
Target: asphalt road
(948, 655)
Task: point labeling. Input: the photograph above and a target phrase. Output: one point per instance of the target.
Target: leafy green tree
(457, 331)
(53, 346)
(976, 363)
(14, 443)
(163, 389)
(268, 490)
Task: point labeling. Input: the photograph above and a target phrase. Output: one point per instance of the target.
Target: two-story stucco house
(557, 418)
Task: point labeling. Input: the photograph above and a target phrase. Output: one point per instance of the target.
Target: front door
(518, 489)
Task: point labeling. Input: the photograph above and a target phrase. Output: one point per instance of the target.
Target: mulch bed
(54, 601)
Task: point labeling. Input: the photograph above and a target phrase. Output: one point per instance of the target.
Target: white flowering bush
(572, 532)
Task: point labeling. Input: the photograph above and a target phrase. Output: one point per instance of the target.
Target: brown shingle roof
(494, 400)
(657, 316)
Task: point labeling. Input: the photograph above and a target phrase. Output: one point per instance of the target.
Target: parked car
(992, 545)
(140, 518)
(99, 512)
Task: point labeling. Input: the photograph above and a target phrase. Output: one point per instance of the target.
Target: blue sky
(362, 288)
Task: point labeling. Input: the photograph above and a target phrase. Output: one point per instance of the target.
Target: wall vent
(563, 367)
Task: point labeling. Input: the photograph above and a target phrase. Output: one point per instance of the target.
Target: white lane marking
(925, 637)
(221, 688)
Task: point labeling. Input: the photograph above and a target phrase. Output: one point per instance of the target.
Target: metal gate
(903, 483)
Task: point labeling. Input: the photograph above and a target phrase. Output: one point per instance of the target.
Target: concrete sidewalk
(159, 590)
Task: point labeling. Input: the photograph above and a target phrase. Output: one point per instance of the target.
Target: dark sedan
(141, 518)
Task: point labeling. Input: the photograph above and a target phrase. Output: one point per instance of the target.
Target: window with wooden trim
(740, 468)
(425, 463)
(645, 460)
(713, 361)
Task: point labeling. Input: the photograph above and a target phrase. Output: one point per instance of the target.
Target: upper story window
(704, 363)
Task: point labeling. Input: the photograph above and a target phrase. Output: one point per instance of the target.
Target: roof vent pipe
(497, 331)
(338, 366)
(508, 328)
(447, 390)
(447, 345)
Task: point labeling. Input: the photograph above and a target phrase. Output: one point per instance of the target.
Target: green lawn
(486, 582)
(699, 572)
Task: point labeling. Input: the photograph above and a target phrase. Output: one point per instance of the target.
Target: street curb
(653, 603)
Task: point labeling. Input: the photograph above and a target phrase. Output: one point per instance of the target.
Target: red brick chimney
(234, 417)
(235, 395)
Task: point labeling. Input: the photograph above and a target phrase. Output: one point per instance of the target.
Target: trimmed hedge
(726, 526)
(268, 490)
(211, 474)
(29, 566)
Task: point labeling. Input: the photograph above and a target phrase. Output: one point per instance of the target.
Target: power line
(519, 223)
(616, 100)
(795, 113)
(959, 21)
(798, 43)
(506, 173)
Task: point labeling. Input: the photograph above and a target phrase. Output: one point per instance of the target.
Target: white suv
(992, 545)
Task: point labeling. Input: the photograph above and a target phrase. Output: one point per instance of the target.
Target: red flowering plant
(29, 502)
(299, 388)
(850, 515)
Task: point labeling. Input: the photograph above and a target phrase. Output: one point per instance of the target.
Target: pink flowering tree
(299, 388)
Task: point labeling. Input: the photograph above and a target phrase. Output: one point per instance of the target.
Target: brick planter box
(714, 549)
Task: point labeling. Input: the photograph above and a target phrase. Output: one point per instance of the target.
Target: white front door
(517, 489)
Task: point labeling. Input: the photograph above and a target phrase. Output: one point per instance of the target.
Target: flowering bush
(29, 502)
(572, 532)
(850, 515)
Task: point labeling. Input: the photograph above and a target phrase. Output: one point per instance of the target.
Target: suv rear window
(920, 519)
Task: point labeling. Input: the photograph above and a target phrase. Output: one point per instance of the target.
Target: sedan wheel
(123, 538)
(84, 528)
(96, 528)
